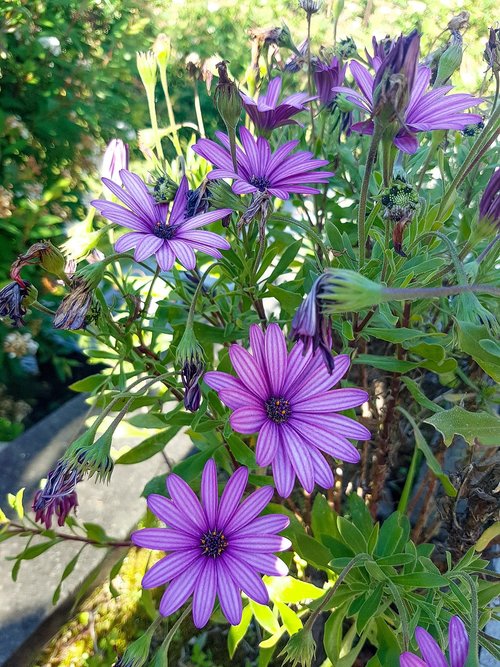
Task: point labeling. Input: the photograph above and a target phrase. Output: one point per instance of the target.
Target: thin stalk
(402, 612)
(412, 470)
(170, 111)
(154, 121)
(149, 296)
(309, 74)
(168, 639)
(489, 247)
(20, 529)
(413, 294)
(199, 287)
(370, 161)
(231, 132)
(472, 656)
(197, 108)
(38, 306)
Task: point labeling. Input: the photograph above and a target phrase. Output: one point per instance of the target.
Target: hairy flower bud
(310, 6)
(344, 290)
(284, 39)
(91, 458)
(489, 206)
(300, 649)
(450, 60)
(227, 98)
(164, 189)
(136, 653)
(190, 358)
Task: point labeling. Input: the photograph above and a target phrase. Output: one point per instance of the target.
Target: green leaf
(289, 301)
(332, 637)
(481, 426)
(419, 395)
(473, 340)
(16, 502)
(237, 632)
(241, 451)
(400, 335)
(369, 608)
(323, 518)
(149, 447)
(285, 261)
(67, 571)
(37, 550)
(90, 383)
(96, 533)
(290, 619)
(385, 363)
(312, 551)
(265, 617)
(292, 591)
(420, 580)
(351, 535)
(192, 466)
(389, 536)
(360, 515)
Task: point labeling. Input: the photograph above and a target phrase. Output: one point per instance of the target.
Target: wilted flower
(168, 236)
(76, 309)
(346, 48)
(327, 75)
(458, 648)
(296, 61)
(425, 111)
(43, 253)
(285, 398)
(492, 51)
(267, 114)
(115, 158)
(198, 200)
(58, 497)
(260, 170)
(310, 6)
(459, 22)
(489, 206)
(227, 97)
(13, 301)
(312, 327)
(216, 548)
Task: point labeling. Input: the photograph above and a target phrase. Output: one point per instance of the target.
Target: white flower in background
(51, 43)
(18, 345)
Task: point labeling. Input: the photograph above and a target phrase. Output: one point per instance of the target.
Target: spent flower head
(346, 48)
(92, 458)
(13, 301)
(43, 253)
(190, 358)
(492, 51)
(58, 496)
(450, 60)
(227, 98)
(78, 308)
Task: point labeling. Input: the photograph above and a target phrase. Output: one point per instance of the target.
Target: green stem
(154, 122)
(38, 306)
(489, 247)
(231, 132)
(170, 111)
(370, 160)
(402, 612)
(197, 108)
(412, 470)
(149, 296)
(168, 639)
(199, 287)
(329, 595)
(414, 294)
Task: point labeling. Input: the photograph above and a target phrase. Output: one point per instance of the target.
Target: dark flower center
(278, 409)
(164, 231)
(213, 543)
(260, 182)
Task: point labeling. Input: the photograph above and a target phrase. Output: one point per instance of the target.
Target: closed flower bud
(284, 39)
(348, 291)
(146, 66)
(346, 48)
(136, 654)
(310, 6)
(190, 359)
(300, 649)
(164, 189)
(91, 458)
(227, 98)
(489, 206)
(450, 60)
(492, 51)
(161, 49)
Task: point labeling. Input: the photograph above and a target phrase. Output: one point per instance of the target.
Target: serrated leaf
(481, 426)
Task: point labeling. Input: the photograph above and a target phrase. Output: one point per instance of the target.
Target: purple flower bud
(191, 375)
(489, 206)
(326, 76)
(12, 301)
(58, 497)
(116, 157)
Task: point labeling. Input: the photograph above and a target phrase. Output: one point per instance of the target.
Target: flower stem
(170, 111)
(489, 247)
(370, 160)
(472, 657)
(41, 308)
(231, 132)
(413, 294)
(154, 122)
(197, 108)
(168, 639)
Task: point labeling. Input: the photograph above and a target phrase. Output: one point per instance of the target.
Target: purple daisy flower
(489, 206)
(285, 398)
(259, 170)
(267, 114)
(58, 497)
(327, 75)
(458, 643)
(426, 111)
(169, 235)
(215, 548)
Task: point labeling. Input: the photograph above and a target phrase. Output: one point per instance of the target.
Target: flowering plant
(316, 309)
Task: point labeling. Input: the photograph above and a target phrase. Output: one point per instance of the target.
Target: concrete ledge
(26, 605)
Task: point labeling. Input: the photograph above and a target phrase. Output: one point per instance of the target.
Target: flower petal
(231, 496)
(323, 474)
(248, 419)
(186, 501)
(167, 511)
(270, 523)
(268, 442)
(246, 577)
(129, 240)
(209, 492)
(429, 648)
(276, 357)
(248, 371)
(298, 453)
(411, 660)
(184, 253)
(165, 257)
(458, 642)
(249, 509)
(334, 400)
(180, 589)
(163, 539)
(169, 567)
(147, 246)
(283, 473)
(229, 594)
(268, 564)
(204, 593)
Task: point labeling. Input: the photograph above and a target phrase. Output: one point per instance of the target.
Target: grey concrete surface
(27, 604)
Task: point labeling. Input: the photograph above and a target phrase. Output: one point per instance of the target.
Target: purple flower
(267, 114)
(489, 206)
(216, 548)
(169, 237)
(426, 111)
(12, 297)
(58, 497)
(327, 75)
(285, 398)
(458, 643)
(259, 170)
(381, 50)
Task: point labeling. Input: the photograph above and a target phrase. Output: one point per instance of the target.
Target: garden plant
(310, 293)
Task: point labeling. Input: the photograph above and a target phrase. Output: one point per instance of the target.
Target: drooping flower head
(13, 301)
(327, 75)
(159, 230)
(285, 398)
(458, 648)
(426, 111)
(58, 497)
(215, 548)
(260, 170)
(489, 206)
(267, 114)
